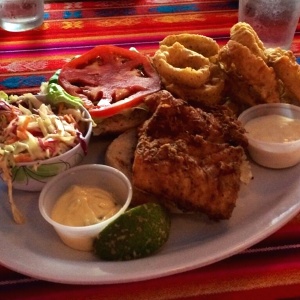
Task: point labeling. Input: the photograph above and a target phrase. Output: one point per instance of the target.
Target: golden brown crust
(120, 155)
(190, 157)
(187, 64)
(209, 93)
(256, 74)
(198, 43)
(244, 34)
(288, 71)
(181, 66)
(245, 69)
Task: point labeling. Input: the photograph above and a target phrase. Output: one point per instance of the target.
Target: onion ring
(195, 42)
(182, 66)
(209, 93)
(188, 66)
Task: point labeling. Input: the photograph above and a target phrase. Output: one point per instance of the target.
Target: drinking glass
(275, 21)
(21, 15)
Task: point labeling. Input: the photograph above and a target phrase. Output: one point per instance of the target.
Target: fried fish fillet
(190, 157)
(120, 155)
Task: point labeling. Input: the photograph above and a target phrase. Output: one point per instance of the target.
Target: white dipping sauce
(273, 128)
(83, 206)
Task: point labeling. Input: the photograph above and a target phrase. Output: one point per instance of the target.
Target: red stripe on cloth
(268, 270)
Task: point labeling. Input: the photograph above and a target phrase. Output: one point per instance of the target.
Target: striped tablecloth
(270, 269)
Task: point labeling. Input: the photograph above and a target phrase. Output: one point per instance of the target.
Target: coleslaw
(31, 130)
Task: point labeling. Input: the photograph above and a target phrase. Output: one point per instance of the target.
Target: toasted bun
(119, 123)
(120, 155)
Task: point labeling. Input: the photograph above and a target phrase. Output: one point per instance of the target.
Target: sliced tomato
(110, 79)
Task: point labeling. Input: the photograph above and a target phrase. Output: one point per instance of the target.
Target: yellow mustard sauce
(84, 205)
(274, 128)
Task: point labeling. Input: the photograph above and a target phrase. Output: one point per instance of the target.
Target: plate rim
(285, 211)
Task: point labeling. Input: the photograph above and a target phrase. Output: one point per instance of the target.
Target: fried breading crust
(187, 64)
(244, 34)
(251, 81)
(288, 71)
(190, 157)
(120, 155)
(256, 74)
(195, 42)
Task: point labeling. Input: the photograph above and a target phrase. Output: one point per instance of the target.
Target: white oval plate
(34, 249)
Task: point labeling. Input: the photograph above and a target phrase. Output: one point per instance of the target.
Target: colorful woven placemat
(71, 28)
(270, 269)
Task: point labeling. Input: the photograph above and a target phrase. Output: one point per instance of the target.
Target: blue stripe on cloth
(46, 16)
(77, 14)
(22, 81)
(174, 8)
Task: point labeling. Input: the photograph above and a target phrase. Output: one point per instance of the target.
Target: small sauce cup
(276, 155)
(101, 176)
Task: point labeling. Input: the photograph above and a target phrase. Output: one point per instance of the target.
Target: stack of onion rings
(242, 73)
(187, 64)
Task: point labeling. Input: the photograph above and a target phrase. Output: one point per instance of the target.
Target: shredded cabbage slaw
(30, 130)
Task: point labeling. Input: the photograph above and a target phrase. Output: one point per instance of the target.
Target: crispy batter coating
(288, 71)
(244, 34)
(243, 73)
(209, 93)
(189, 69)
(256, 74)
(245, 69)
(182, 66)
(195, 42)
(190, 157)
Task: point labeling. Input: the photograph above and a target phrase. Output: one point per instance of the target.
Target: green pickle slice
(137, 233)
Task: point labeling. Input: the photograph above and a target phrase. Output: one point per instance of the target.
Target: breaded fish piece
(190, 157)
(120, 155)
